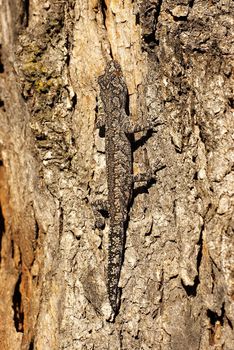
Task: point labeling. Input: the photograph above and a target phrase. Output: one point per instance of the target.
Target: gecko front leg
(101, 116)
(131, 127)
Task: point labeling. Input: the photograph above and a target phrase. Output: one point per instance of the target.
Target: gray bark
(177, 277)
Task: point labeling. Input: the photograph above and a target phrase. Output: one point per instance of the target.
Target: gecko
(119, 168)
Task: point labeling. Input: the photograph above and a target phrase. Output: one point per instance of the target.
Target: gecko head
(112, 73)
(114, 67)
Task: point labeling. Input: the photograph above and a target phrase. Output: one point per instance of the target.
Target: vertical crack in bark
(25, 13)
(192, 290)
(191, 2)
(18, 307)
(61, 218)
(12, 249)
(1, 71)
(231, 102)
(103, 8)
(2, 220)
(31, 345)
(137, 20)
(36, 230)
(158, 10)
(35, 240)
(2, 229)
(1, 64)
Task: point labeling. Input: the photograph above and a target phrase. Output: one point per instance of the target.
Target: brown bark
(177, 277)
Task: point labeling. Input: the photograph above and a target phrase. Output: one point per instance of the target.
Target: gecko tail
(115, 260)
(114, 298)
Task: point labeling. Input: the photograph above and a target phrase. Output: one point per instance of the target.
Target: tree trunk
(177, 276)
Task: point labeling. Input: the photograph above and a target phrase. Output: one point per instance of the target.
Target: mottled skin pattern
(113, 92)
(120, 179)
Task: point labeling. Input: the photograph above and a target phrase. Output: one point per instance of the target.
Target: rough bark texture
(177, 278)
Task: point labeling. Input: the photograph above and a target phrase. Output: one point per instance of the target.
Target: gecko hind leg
(131, 127)
(101, 210)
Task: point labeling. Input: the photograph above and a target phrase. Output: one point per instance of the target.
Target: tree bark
(177, 276)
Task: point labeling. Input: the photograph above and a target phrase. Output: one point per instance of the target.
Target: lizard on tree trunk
(120, 178)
